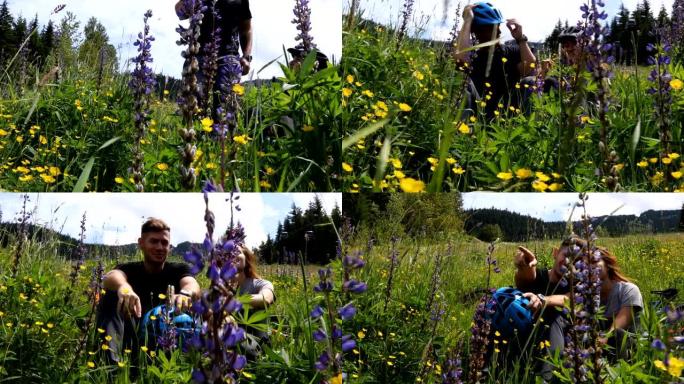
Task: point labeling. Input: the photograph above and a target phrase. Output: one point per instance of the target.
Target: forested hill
(488, 224)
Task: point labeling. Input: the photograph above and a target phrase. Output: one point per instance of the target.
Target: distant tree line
(489, 224)
(631, 31)
(28, 48)
(305, 233)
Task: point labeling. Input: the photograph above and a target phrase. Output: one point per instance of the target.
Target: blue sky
(537, 17)
(557, 206)
(116, 218)
(123, 20)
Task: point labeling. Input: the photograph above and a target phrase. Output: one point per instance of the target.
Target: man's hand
(515, 28)
(535, 304)
(182, 302)
(246, 66)
(524, 258)
(468, 14)
(129, 302)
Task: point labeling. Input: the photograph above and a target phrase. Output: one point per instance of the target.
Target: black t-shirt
(232, 12)
(502, 76)
(543, 285)
(148, 286)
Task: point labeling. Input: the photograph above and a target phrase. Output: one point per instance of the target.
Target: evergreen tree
(552, 40)
(7, 37)
(95, 45)
(47, 40)
(34, 43)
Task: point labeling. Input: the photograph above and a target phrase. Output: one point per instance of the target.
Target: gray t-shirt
(623, 294)
(253, 286)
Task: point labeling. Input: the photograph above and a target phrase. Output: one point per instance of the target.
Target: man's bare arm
(190, 284)
(129, 302)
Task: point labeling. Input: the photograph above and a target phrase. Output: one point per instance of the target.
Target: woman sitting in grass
(620, 299)
(261, 291)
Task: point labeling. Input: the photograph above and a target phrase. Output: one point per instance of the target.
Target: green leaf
(85, 174)
(362, 133)
(109, 142)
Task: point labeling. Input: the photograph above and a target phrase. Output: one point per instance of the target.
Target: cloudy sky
(116, 218)
(123, 19)
(537, 17)
(557, 206)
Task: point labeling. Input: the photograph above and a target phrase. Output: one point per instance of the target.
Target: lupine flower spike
(142, 82)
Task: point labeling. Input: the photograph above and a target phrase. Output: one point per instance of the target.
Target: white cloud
(538, 17)
(123, 19)
(116, 218)
(557, 206)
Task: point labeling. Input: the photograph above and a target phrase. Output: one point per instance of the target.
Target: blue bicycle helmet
(154, 324)
(508, 312)
(486, 14)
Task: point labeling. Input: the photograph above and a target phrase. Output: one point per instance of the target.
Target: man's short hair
(154, 225)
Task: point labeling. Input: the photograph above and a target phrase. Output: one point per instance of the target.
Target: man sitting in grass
(134, 288)
(548, 293)
(496, 69)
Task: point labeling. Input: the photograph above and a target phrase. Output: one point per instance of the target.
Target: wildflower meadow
(613, 124)
(73, 119)
(405, 304)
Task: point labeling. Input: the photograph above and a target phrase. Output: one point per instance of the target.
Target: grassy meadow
(406, 127)
(70, 125)
(47, 333)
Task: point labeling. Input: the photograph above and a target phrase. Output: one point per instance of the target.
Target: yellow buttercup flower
(396, 163)
(347, 168)
(539, 185)
(367, 93)
(207, 124)
(673, 156)
(119, 180)
(264, 184)
(307, 128)
(91, 364)
(451, 161)
(667, 160)
(346, 92)
(523, 173)
(241, 139)
(47, 179)
(350, 79)
(458, 170)
(504, 175)
(238, 89)
(163, 167)
(404, 107)
(674, 366)
(411, 185)
(399, 174)
(542, 177)
(418, 75)
(464, 128)
(642, 164)
(676, 84)
(677, 175)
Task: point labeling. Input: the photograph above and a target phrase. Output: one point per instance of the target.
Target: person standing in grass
(134, 288)
(548, 293)
(496, 69)
(235, 23)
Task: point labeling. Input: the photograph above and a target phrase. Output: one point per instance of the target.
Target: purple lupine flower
(188, 101)
(599, 63)
(354, 286)
(302, 14)
(405, 17)
(452, 371)
(347, 312)
(142, 82)
(319, 335)
(323, 361)
(78, 254)
(658, 344)
(348, 343)
(480, 337)
(662, 99)
(393, 265)
(223, 362)
(316, 312)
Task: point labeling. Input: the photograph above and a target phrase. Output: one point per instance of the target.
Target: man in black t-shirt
(496, 69)
(134, 288)
(235, 25)
(546, 290)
